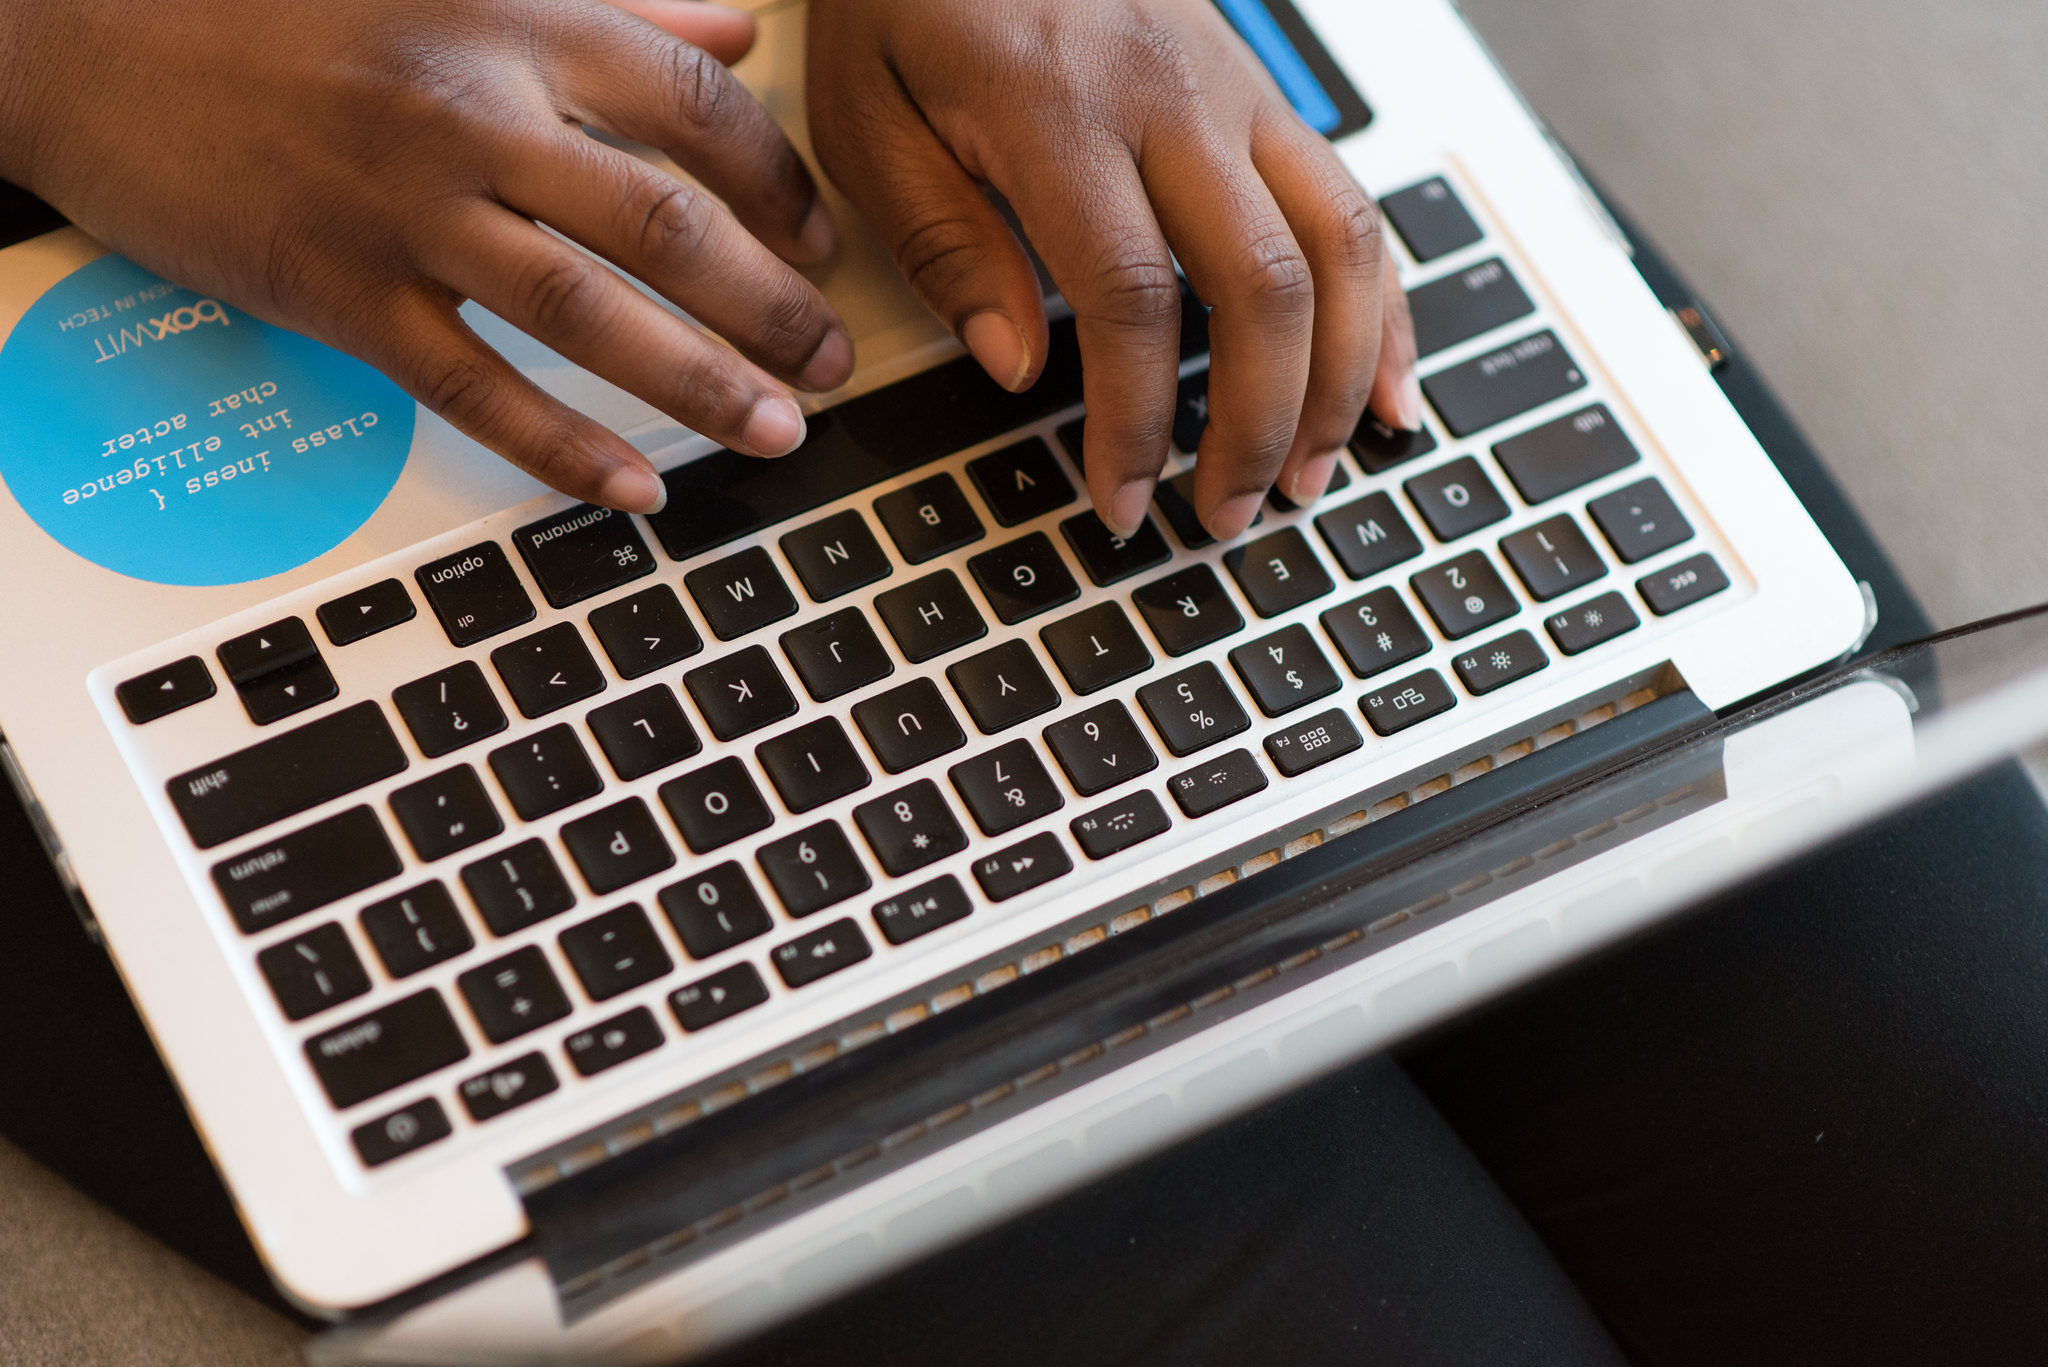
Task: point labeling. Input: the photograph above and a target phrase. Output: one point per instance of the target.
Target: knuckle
(675, 221)
(938, 255)
(786, 319)
(711, 400)
(1276, 280)
(560, 295)
(1137, 288)
(705, 89)
(464, 389)
(1357, 230)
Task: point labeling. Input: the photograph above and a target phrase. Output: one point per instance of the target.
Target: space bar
(286, 775)
(860, 443)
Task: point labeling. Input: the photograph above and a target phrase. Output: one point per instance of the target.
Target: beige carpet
(1856, 185)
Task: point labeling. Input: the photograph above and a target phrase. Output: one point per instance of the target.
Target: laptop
(580, 936)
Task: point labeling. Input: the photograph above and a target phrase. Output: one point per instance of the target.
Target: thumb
(726, 34)
(951, 244)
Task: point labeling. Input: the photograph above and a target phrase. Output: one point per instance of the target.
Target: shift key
(1502, 384)
(286, 775)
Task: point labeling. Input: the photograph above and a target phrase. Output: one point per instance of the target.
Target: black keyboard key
(1074, 441)
(360, 615)
(518, 887)
(1193, 709)
(1110, 558)
(1284, 671)
(306, 870)
(403, 1131)
(1406, 702)
(740, 593)
(387, 1048)
(1003, 686)
(1096, 647)
(719, 997)
(416, 930)
(813, 869)
(475, 593)
(1552, 558)
(740, 693)
(1188, 610)
(1128, 821)
(1375, 633)
(837, 654)
(449, 709)
(824, 951)
(149, 697)
(910, 828)
(1456, 499)
(446, 813)
(1340, 480)
(1592, 623)
(1459, 307)
(1430, 219)
(1024, 578)
(644, 732)
(1006, 788)
(268, 650)
(288, 692)
(836, 556)
(923, 909)
(610, 1043)
(714, 910)
(1216, 783)
(507, 1087)
(1499, 663)
(931, 616)
(715, 805)
(1682, 585)
(1021, 482)
(513, 995)
(618, 846)
(285, 775)
(1278, 572)
(1369, 536)
(1465, 595)
(929, 518)
(813, 764)
(909, 725)
(1640, 521)
(311, 972)
(646, 631)
(548, 670)
(1309, 744)
(1100, 748)
(583, 552)
(1500, 385)
(1380, 448)
(615, 952)
(1562, 455)
(545, 772)
(1175, 499)
(1191, 411)
(1026, 865)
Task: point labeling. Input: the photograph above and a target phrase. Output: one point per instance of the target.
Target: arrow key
(288, 692)
(148, 697)
(362, 614)
(1022, 867)
(508, 1086)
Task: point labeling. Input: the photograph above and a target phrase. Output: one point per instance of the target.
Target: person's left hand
(1125, 133)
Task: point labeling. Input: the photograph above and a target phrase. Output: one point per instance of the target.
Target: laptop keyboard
(633, 805)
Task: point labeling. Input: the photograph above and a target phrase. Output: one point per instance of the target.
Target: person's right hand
(356, 170)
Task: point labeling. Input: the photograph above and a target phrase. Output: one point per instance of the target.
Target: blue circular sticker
(171, 438)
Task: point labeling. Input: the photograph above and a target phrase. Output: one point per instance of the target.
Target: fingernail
(1229, 521)
(999, 345)
(1127, 507)
(1312, 480)
(831, 364)
(775, 427)
(634, 489)
(1408, 402)
(816, 239)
